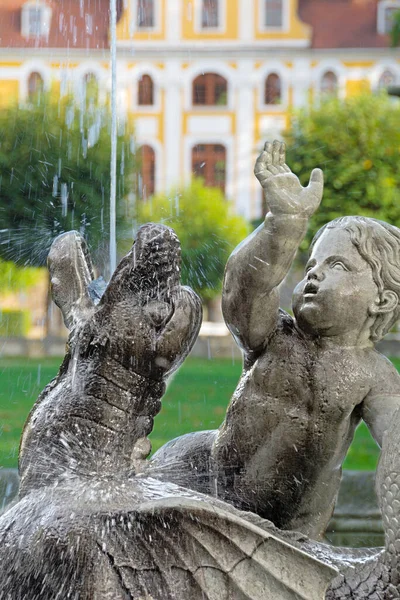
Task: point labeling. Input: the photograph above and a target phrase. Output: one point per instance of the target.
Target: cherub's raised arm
(250, 299)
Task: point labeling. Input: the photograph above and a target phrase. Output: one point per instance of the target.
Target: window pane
(35, 85)
(389, 13)
(199, 93)
(386, 79)
(210, 89)
(34, 21)
(272, 94)
(329, 84)
(146, 91)
(220, 95)
(148, 171)
(210, 16)
(145, 13)
(209, 162)
(273, 13)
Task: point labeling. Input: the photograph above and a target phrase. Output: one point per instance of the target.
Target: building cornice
(258, 51)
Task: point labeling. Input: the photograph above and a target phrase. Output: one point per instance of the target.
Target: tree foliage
(207, 228)
(55, 175)
(14, 278)
(357, 143)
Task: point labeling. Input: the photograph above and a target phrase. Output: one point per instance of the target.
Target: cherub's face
(338, 292)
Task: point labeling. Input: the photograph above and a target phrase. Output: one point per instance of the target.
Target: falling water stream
(113, 167)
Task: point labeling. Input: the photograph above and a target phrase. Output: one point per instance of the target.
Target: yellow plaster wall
(10, 64)
(9, 91)
(359, 86)
(361, 64)
(230, 32)
(124, 26)
(296, 29)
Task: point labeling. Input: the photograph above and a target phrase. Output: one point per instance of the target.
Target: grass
(196, 399)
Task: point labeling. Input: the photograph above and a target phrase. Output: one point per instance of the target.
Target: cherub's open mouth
(310, 290)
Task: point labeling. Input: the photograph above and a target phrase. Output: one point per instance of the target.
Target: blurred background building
(205, 81)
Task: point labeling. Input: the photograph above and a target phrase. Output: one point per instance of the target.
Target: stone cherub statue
(307, 380)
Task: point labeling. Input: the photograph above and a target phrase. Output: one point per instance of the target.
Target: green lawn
(196, 399)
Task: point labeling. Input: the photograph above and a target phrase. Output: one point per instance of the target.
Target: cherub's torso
(293, 416)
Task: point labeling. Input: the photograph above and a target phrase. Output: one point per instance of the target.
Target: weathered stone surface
(9, 484)
(92, 521)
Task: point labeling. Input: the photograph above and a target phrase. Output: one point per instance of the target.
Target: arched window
(210, 89)
(329, 84)
(273, 13)
(273, 89)
(148, 171)
(145, 91)
(35, 85)
(90, 89)
(386, 79)
(145, 14)
(209, 13)
(209, 162)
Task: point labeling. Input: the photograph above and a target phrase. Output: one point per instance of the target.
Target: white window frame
(285, 17)
(198, 27)
(381, 19)
(220, 68)
(338, 69)
(156, 28)
(26, 70)
(379, 70)
(133, 82)
(284, 91)
(321, 79)
(45, 19)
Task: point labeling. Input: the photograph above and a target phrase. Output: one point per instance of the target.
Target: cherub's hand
(283, 191)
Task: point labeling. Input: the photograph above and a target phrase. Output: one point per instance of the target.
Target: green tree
(55, 175)
(357, 143)
(207, 228)
(14, 278)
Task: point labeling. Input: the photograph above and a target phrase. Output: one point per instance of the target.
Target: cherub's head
(352, 281)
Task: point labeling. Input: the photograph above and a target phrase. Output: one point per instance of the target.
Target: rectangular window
(273, 13)
(210, 14)
(145, 14)
(35, 20)
(389, 14)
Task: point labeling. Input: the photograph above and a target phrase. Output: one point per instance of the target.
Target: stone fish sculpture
(95, 520)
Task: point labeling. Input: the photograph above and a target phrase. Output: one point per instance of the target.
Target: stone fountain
(236, 513)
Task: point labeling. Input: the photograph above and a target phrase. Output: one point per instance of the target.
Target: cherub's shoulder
(386, 379)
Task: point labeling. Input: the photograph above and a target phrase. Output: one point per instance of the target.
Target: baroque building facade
(205, 81)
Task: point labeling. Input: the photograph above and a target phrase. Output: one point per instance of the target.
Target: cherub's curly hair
(379, 245)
